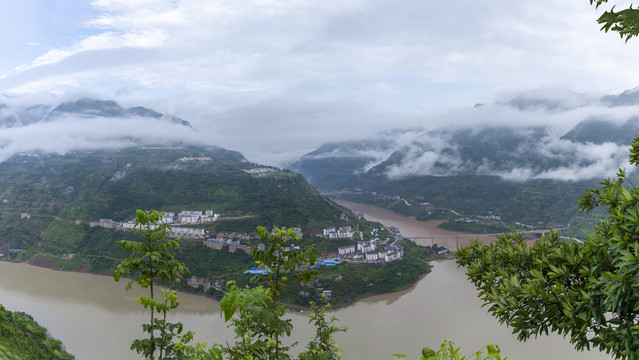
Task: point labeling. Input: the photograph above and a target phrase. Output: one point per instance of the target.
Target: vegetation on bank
(22, 338)
(254, 311)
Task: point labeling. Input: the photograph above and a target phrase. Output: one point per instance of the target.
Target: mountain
(113, 184)
(599, 131)
(16, 116)
(528, 174)
(331, 163)
(87, 124)
(626, 98)
(48, 201)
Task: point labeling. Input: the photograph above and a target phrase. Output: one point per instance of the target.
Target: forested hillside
(48, 201)
(22, 338)
(527, 174)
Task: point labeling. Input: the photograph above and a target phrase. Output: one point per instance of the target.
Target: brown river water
(97, 319)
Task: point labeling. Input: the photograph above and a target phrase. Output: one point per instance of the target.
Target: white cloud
(293, 74)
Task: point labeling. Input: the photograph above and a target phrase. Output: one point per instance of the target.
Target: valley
(69, 304)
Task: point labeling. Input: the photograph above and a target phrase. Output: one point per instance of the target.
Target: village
(185, 225)
(372, 251)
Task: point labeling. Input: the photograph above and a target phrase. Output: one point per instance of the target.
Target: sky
(275, 79)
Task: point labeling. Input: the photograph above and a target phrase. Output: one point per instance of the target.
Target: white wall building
(344, 250)
(372, 256)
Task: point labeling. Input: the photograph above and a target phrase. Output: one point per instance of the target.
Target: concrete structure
(372, 256)
(344, 232)
(345, 250)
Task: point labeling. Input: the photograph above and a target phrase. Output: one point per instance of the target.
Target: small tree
(323, 345)
(259, 326)
(448, 351)
(152, 260)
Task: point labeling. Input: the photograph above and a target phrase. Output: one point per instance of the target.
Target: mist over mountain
(593, 148)
(526, 158)
(86, 124)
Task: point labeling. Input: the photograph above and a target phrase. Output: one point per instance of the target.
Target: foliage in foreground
(589, 292)
(448, 351)
(254, 312)
(22, 338)
(624, 22)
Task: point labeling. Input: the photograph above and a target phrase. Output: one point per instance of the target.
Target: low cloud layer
(522, 137)
(72, 132)
(546, 158)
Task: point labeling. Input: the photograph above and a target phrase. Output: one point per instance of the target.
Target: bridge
(446, 240)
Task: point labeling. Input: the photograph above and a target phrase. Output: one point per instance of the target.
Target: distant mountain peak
(109, 109)
(626, 98)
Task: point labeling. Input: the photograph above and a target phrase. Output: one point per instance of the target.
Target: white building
(168, 218)
(344, 232)
(392, 256)
(186, 232)
(189, 217)
(372, 256)
(367, 246)
(344, 250)
(328, 231)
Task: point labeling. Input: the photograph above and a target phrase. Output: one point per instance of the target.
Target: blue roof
(256, 271)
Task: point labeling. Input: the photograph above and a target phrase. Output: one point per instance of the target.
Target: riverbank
(350, 283)
(423, 233)
(442, 305)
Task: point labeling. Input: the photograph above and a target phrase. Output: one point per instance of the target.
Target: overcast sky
(277, 78)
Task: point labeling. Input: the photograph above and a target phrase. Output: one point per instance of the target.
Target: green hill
(48, 201)
(22, 338)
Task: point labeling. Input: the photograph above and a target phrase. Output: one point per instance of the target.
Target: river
(97, 319)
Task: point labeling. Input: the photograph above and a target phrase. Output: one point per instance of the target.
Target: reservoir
(97, 319)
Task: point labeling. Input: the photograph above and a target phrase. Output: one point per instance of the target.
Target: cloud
(516, 145)
(91, 133)
(276, 79)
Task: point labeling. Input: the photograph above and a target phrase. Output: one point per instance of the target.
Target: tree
(151, 261)
(323, 345)
(448, 351)
(625, 22)
(259, 326)
(588, 292)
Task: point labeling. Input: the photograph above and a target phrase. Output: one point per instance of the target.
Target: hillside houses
(367, 246)
(344, 232)
(186, 217)
(368, 251)
(233, 246)
(196, 281)
(345, 250)
(260, 170)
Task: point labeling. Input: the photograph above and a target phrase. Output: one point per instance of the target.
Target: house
(168, 218)
(298, 231)
(344, 232)
(344, 250)
(328, 231)
(367, 246)
(213, 243)
(372, 256)
(392, 256)
(189, 217)
(245, 248)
